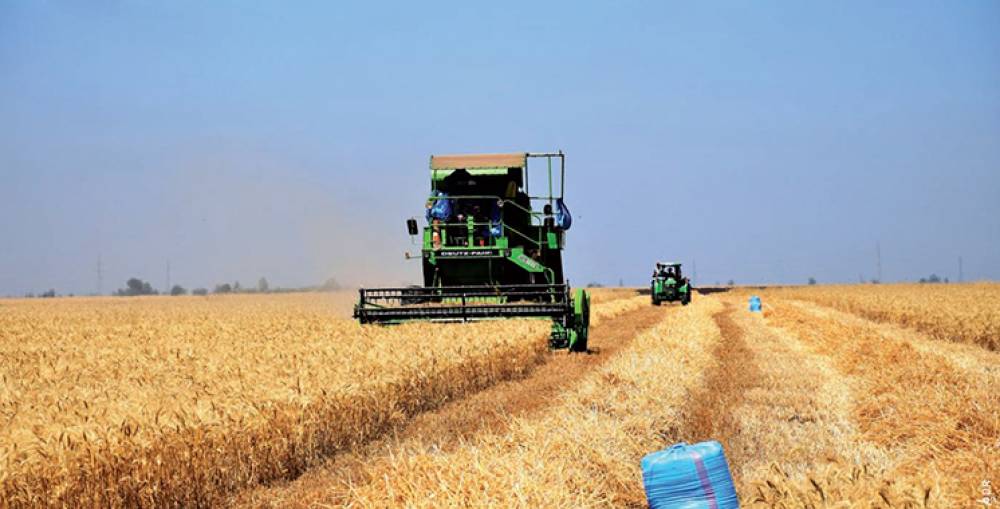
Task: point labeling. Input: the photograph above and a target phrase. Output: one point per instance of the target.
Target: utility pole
(100, 276)
(878, 260)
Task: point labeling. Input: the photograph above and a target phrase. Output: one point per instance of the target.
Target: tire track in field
(798, 443)
(487, 411)
(935, 414)
(781, 411)
(711, 416)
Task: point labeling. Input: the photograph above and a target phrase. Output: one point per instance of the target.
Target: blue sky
(765, 141)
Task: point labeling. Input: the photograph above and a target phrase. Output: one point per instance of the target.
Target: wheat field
(155, 401)
(833, 397)
(815, 407)
(580, 452)
(952, 312)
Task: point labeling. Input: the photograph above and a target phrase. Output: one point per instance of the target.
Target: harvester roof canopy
(479, 161)
(669, 264)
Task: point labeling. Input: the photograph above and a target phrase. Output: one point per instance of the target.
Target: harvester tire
(581, 320)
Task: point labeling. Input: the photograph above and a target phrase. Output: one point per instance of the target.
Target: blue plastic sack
(495, 229)
(690, 477)
(441, 208)
(563, 219)
(755, 303)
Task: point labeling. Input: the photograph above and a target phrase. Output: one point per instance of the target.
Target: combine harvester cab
(490, 250)
(669, 285)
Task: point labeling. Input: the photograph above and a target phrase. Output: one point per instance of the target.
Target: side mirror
(411, 226)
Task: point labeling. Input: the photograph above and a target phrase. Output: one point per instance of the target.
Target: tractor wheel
(686, 299)
(656, 302)
(581, 320)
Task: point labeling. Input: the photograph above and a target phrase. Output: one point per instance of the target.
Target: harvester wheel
(581, 321)
(656, 302)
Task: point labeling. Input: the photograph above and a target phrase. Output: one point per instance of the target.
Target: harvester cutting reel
(570, 315)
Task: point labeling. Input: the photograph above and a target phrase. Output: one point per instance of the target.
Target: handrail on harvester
(536, 217)
(506, 201)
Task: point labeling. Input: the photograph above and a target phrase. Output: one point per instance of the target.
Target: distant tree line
(134, 287)
(933, 278)
(48, 294)
(137, 287)
(44, 295)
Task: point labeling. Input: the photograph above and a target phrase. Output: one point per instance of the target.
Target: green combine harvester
(669, 285)
(491, 250)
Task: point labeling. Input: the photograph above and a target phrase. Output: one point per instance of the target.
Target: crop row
(968, 313)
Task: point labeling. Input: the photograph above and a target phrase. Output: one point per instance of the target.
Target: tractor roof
(479, 161)
(670, 264)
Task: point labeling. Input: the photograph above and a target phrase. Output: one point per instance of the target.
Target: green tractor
(669, 285)
(490, 250)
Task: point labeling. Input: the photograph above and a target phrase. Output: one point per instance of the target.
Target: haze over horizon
(768, 143)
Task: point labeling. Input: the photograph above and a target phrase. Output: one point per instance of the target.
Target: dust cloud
(230, 219)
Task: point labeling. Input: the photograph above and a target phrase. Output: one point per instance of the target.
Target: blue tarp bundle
(690, 477)
(441, 208)
(495, 230)
(754, 303)
(563, 219)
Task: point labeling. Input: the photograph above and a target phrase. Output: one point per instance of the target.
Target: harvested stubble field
(192, 401)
